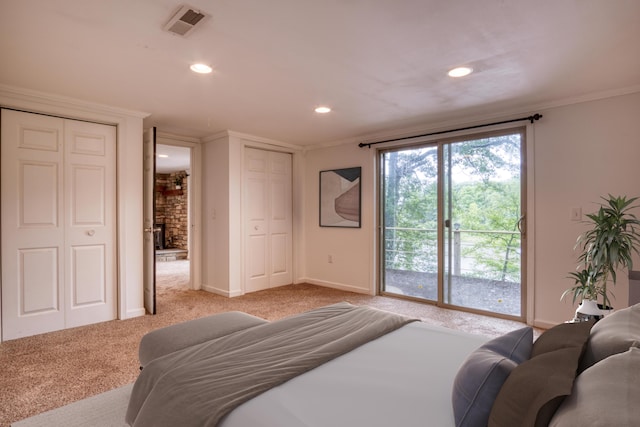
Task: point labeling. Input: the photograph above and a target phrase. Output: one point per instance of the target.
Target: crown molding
(17, 97)
(253, 138)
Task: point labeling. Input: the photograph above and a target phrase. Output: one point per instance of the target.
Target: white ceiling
(178, 159)
(380, 64)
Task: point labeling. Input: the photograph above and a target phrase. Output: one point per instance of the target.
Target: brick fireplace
(172, 211)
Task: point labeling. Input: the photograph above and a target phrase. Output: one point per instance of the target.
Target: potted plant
(606, 248)
(178, 181)
(586, 290)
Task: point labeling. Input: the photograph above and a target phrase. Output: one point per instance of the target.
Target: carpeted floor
(47, 371)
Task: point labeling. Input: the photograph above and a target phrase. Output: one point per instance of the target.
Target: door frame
(528, 208)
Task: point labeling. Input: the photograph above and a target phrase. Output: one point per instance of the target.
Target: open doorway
(172, 219)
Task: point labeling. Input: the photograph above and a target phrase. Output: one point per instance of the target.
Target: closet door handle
(90, 233)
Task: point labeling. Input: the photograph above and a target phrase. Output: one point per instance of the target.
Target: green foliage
(585, 285)
(609, 245)
(491, 210)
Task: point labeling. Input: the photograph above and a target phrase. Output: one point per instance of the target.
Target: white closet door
(280, 222)
(90, 188)
(268, 219)
(32, 224)
(58, 223)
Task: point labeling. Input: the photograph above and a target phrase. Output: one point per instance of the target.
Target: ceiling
(170, 158)
(379, 64)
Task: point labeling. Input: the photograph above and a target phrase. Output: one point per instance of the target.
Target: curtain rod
(533, 118)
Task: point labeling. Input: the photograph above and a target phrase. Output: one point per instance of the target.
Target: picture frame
(341, 197)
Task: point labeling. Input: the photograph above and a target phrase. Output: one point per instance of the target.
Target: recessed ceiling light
(201, 68)
(323, 110)
(163, 155)
(460, 71)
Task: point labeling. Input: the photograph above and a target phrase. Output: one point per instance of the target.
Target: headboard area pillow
(534, 390)
(612, 335)
(482, 374)
(564, 335)
(607, 394)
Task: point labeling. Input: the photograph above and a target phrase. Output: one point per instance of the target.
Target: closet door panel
(256, 221)
(88, 276)
(90, 222)
(32, 230)
(38, 282)
(280, 219)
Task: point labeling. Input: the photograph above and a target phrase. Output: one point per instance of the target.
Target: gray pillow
(607, 394)
(482, 374)
(612, 335)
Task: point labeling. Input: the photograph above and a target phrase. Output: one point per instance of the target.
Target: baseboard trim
(221, 292)
(339, 286)
(130, 314)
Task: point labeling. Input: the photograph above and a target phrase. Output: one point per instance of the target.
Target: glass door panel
(410, 222)
(482, 207)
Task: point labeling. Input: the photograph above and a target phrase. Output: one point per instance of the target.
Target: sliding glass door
(452, 214)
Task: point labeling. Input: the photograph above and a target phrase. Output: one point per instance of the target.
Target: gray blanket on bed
(199, 385)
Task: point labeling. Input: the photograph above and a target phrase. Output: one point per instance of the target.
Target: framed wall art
(340, 198)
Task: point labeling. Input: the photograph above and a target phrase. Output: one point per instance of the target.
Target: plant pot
(588, 310)
(605, 310)
(589, 307)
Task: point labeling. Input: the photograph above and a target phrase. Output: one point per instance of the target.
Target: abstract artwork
(340, 198)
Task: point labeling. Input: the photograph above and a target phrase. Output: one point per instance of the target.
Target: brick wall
(171, 209)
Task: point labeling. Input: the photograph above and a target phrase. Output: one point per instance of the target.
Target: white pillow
(612, 335)
(605, 395)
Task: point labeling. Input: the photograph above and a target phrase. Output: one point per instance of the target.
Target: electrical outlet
(576, 214)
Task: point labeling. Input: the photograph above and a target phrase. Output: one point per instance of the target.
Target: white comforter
(401, 379)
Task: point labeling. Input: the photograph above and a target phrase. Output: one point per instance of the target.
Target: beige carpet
(47, 371)
(106, 409)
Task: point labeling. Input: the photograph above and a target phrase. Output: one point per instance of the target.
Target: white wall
(351, 249)
(129, 179)
(215, 199)
(580, 152)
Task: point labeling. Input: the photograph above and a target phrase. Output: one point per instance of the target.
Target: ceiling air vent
(185, 20)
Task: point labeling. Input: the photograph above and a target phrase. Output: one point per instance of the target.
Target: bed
(406, 373)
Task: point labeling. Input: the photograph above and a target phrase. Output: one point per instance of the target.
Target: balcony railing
(483, 254)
